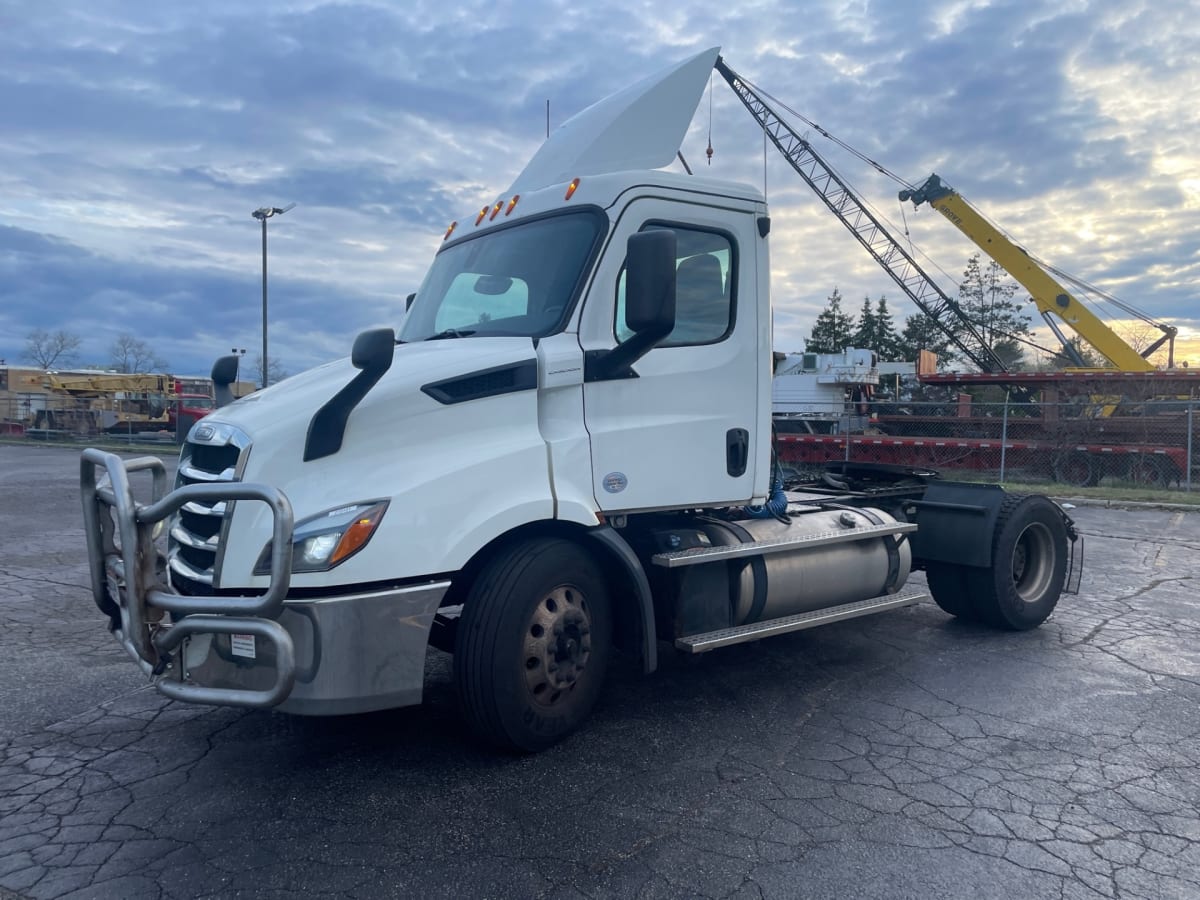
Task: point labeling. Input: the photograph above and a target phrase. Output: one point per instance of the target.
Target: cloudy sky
(137, 138)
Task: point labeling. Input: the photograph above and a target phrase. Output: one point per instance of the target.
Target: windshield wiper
(451, 333)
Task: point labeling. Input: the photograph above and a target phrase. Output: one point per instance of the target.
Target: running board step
(711, 640)
(676, 558)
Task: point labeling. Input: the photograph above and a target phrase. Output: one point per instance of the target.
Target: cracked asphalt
(904, 755)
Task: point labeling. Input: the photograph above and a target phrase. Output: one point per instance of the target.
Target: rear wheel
(1029, 565)
(948, 585)
(1076, 468)
(533, 644)
(1148, 471)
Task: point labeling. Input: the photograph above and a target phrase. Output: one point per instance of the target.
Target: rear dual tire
(1028, 572)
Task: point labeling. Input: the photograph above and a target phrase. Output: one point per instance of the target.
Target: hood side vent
(506, 379)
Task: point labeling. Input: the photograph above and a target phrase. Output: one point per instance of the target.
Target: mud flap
(956, 521)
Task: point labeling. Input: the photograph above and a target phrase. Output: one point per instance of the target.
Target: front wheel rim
(557, 645)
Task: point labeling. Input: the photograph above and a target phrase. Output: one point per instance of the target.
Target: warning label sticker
(242, 645)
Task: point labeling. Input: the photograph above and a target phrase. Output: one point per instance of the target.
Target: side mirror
(373, 350)
(649, 305)
(650, 282)
(224, 373)
(372, 353)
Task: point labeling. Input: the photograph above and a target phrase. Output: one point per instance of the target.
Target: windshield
(516, 281)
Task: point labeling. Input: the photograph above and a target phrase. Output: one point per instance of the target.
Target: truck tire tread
(495, 617)
(951, 591)
(1029, 565)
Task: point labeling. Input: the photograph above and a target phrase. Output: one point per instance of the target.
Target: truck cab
(565, 450)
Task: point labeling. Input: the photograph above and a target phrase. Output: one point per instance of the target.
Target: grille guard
(127, 587)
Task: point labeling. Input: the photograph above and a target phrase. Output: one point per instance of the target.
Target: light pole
(262, 215)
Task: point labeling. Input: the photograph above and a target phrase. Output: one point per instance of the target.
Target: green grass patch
(1116, 492)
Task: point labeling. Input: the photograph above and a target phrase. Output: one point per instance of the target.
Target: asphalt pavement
(903, 755)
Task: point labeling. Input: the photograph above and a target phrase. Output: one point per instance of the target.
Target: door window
(704, 300)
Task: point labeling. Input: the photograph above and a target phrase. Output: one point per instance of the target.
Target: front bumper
(320, 656)
(350, 654)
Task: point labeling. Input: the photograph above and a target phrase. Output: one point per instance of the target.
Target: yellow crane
(108, 401)
(1050, 296)
(107, 383)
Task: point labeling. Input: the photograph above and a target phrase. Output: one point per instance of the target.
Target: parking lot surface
(902, 755)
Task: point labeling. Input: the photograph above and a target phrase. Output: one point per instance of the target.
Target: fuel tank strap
(892, 546)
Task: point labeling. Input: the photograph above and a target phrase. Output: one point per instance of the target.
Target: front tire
(1029, 565)
(533, 644)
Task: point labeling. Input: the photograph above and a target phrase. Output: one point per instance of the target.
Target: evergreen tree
(888, 338)
(922, 333)
(876, 330)
(833, 330)
(986, 297)
(865, 331)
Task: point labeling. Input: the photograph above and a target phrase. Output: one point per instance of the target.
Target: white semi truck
(567, 449)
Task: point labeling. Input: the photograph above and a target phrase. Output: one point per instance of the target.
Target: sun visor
(640, 127)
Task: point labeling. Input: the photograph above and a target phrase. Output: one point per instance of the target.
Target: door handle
(737, 451)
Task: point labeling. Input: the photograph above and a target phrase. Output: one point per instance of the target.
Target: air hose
(777, 501)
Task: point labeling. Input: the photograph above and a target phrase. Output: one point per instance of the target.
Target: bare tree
(129, 354)
(1139, 336)
(275, 370)
(46, 348)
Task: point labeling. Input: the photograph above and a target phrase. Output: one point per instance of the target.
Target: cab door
(686, 428)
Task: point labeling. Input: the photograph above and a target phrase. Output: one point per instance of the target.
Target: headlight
(328, 539)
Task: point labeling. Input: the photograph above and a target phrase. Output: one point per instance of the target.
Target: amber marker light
(512, 203)
(450, 230)
(482, 213)
(496, 209)
(357, 534)
(571, 189)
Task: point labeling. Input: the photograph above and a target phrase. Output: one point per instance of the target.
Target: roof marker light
(571, 189)
(496, 209)
(450, 230)
(512, 203)
(479, 218)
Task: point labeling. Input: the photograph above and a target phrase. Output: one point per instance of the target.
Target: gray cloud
(138, 139)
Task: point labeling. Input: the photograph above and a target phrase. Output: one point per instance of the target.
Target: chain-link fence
(1086, 442)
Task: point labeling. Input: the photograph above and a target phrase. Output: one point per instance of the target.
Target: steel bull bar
(129, 589)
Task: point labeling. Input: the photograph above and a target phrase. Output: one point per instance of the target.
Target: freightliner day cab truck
(566, 450)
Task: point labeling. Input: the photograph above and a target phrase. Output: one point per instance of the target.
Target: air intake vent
(507, 379)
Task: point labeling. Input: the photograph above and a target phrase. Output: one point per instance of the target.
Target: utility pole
(262, 215)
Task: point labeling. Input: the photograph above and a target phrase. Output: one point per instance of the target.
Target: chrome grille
(213, 453)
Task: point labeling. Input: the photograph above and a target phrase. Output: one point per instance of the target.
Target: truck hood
(280, 415)
(404, 446)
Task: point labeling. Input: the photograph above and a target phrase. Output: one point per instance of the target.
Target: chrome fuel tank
(811, 577)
